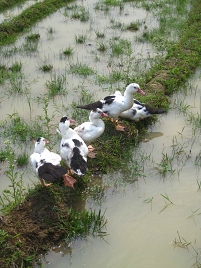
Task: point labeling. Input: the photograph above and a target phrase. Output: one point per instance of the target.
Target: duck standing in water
(89, 131)
(73, 149)
(114, 105)
(46, 165)
(140, 111)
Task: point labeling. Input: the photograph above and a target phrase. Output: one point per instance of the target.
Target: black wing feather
(51, 173)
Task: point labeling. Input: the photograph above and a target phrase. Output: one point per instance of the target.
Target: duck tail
(153, 110)
(78, 163)
(91, 106)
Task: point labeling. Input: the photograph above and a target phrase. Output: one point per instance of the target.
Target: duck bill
(47, 142)
(104, 114)
(72, 121)
(141, 91)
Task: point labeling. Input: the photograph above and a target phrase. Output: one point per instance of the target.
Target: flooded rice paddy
(151, 218)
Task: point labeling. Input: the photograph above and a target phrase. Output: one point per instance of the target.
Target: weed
(119, 47)
(22, 159)
(50, 30)
(102, 47)
(3, 236)
(33, 37)
(80, 13)
(56, 86)
(192, 216)
(80, 39)
(68, 51)
(149, 200)
(16, 67)
(165, 166)
(16, 192)
(100, 34)
(133, 27)
(81, 69)
(182, 243)
(167, 201)
(46, 67)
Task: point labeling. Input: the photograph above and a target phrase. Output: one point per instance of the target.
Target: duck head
(133, 88)
(97, 113)
(40, 144)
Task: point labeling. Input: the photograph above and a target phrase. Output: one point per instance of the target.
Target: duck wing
(51, 173)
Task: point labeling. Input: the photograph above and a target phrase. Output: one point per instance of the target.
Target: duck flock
(75, 145)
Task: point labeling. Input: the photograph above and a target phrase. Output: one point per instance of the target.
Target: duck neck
(67, 133)
(128, 97)
(96, 122)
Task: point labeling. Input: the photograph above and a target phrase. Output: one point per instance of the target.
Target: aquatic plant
(16, 192)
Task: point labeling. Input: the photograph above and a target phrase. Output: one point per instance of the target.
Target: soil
(34, 223)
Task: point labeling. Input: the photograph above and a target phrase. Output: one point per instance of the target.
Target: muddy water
(140, 233)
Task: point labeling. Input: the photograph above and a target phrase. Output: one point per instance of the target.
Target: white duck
(73, 149)
(46, 164)
(114, 105)
(89, 131)
(140, 111)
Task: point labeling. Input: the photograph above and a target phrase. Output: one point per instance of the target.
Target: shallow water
(140, 233)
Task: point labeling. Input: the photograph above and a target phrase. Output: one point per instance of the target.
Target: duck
(46, 165)
(73, 149)
(115, 104)
(140, 111)
(89, 131)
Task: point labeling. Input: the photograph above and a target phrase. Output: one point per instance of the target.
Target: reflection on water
(153, 135)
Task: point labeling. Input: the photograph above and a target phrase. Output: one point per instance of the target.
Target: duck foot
(120, 128)
(91, 153)
(68, 180)
(91, 148)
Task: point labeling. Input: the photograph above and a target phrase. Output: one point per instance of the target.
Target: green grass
(22, 159)
(81, 69)
(80, 13)
(68, 51)
(133, 27)
(46, 67)
(81, 38)
(56, 86)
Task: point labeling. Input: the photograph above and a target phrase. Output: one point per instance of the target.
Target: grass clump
(33, 37)
(100, 34)
(68, 51)
(16, 67)
(22, 159)
(80, 39)
(56, 85)
(81, 69)
(133, 27)
(80, 13)
(46, 67)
